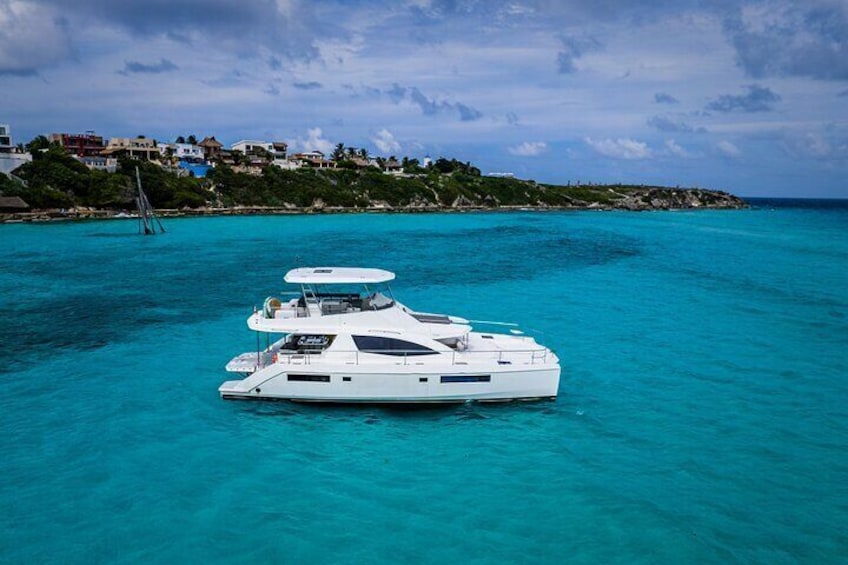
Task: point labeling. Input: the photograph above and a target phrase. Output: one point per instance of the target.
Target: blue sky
(749, 97)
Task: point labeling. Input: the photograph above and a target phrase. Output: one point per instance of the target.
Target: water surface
(701, 415)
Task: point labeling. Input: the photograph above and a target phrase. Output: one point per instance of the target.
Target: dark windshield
(390, 346)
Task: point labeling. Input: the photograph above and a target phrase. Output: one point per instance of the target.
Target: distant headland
(80, 177)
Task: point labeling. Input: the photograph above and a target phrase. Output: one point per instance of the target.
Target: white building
(249, 147)
(286, 164)
(99, 163)
(9, 159)
(5, 139)
(188, 152)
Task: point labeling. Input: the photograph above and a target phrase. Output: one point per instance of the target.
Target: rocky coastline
(55, 186)
(640, 199)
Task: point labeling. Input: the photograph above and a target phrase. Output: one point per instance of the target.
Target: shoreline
(83, 214)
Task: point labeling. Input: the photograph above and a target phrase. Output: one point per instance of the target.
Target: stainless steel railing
(539, 355)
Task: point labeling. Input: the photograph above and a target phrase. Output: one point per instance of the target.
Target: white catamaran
(348, 345)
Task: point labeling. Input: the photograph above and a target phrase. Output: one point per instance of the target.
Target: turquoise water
(702, 413)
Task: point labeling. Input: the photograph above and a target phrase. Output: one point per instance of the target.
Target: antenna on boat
(146, 213)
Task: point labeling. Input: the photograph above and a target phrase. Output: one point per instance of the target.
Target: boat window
(466, 378)
(431, 318)
(390, 346)
(309, 378)
(308, 343)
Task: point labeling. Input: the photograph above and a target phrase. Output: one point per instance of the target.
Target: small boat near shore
(345, 339)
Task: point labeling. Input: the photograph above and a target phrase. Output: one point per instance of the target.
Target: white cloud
(816, 145)
(285, 7)
(529, 148)
(621, 148)
(676, 149)
(315, 142)
(32, 36)
(728, 149)
(460, 67)
(386, 142)
(829, 145)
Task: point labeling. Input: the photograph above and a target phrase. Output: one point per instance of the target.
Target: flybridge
(338, 275)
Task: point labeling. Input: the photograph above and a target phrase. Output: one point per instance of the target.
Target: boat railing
(533, 356)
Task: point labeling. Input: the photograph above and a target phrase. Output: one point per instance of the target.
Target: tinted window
(389, 346)
(466, 378)
(309, 378)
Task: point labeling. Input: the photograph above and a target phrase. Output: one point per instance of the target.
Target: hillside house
(211, 148)
(80, 144)
(135, 148)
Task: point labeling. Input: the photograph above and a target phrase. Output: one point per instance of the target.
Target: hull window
(308, 378)
(466, 378)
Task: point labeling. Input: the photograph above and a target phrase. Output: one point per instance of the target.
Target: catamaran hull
(280, 382)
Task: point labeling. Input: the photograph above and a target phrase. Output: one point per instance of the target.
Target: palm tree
(338, 152)
(192, 139)
(363, 153)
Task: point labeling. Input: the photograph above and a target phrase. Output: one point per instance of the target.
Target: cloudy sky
(745, 96)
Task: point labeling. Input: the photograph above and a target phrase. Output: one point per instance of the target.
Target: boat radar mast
(146, 213)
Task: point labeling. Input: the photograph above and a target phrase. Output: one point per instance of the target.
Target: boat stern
(234, 389)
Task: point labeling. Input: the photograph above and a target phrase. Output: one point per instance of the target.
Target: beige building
(135, 148)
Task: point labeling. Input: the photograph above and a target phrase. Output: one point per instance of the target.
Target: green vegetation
(56, 180)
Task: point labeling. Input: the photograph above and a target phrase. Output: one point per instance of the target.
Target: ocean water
(702, 415)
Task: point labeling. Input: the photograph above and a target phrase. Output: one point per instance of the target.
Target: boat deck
(482, 348)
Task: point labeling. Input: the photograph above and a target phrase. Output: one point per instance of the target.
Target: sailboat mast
(146, 214)
(142, 204)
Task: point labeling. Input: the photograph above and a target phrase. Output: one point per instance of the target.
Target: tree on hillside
(180, 139)
(351, 151)
(239, 158)
(192, 139)
(363, 153)
(339, 152)
(410, 165)
(443, 165)
(37, 144)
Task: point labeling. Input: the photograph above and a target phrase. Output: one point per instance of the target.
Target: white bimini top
(338, 275)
